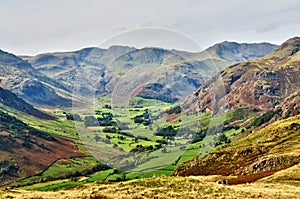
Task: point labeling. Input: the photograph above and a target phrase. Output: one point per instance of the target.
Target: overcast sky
(37, 26)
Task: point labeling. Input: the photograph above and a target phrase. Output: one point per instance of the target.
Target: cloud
(32, 27)
(118, 30)
(267, 28)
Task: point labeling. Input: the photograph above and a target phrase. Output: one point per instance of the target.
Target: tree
(90, 121)
(144, 118)
(222, 139)
(164, 150)
(174, 110)
(199, 136)
(74, 117)
(168, 131)
(97, 138)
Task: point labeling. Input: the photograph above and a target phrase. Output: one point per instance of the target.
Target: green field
(67, 173)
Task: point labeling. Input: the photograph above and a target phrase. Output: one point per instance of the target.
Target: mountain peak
(11, 59)
(237, 52)
(288, 48)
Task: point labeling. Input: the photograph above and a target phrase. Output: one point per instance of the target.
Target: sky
(36, 26)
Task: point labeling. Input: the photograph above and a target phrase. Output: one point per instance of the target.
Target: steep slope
(261, 84)
(24, 151)
(174, 71)
(21, 78)
(9, 99)
(272, 148)
(266, 90)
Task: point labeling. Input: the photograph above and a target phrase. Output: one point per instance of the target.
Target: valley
(230, 112)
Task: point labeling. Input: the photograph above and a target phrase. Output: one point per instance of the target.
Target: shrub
(74, 117)
(90, 121)
(174, 110)
(265, 118)
(166, 131)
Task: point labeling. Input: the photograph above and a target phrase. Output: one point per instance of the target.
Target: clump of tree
(144, 119)
(229, 127)
(162, 141)
(140, 148)
(174, 110)
(74, 117)
(267, 116)
(107, 106)
(222, 139)
(106, 120)
(90, 121)
(169, 131)
(97, 138)
(111, 130)
(199, 136)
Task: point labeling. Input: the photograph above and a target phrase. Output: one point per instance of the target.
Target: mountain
(21, 78)
(257, 85)
(174, 74)
(235, 52)
(261, 98)
(9, 99)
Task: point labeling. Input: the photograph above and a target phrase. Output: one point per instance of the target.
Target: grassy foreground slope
(165, 187)
(271, 148)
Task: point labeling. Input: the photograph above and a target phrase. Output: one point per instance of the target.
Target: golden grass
(166, 187)
(289, 176)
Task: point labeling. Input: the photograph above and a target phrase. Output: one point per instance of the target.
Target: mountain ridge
(266, 88)
(260, 83)
(105, 67)
(21, 78)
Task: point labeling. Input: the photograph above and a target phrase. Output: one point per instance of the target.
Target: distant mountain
(9, 99)
(21, 78)
(235, 52)
(173, 71)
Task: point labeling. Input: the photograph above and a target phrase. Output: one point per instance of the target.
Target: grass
(149, 165)
(156, 163)
(289, 176)
(273, 147)
(164, 187)
(60, 126)
(60, 169)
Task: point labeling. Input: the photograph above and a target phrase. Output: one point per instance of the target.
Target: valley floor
(167, 187)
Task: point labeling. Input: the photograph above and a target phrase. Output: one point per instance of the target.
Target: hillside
(260, 84)
(253, 95)
(271, 148)
(21, 78)
(9, 99)
(164, 187)
(175, 74)
(24, 150)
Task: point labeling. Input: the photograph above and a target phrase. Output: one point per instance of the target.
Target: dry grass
(166, 187)
(289, 176)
